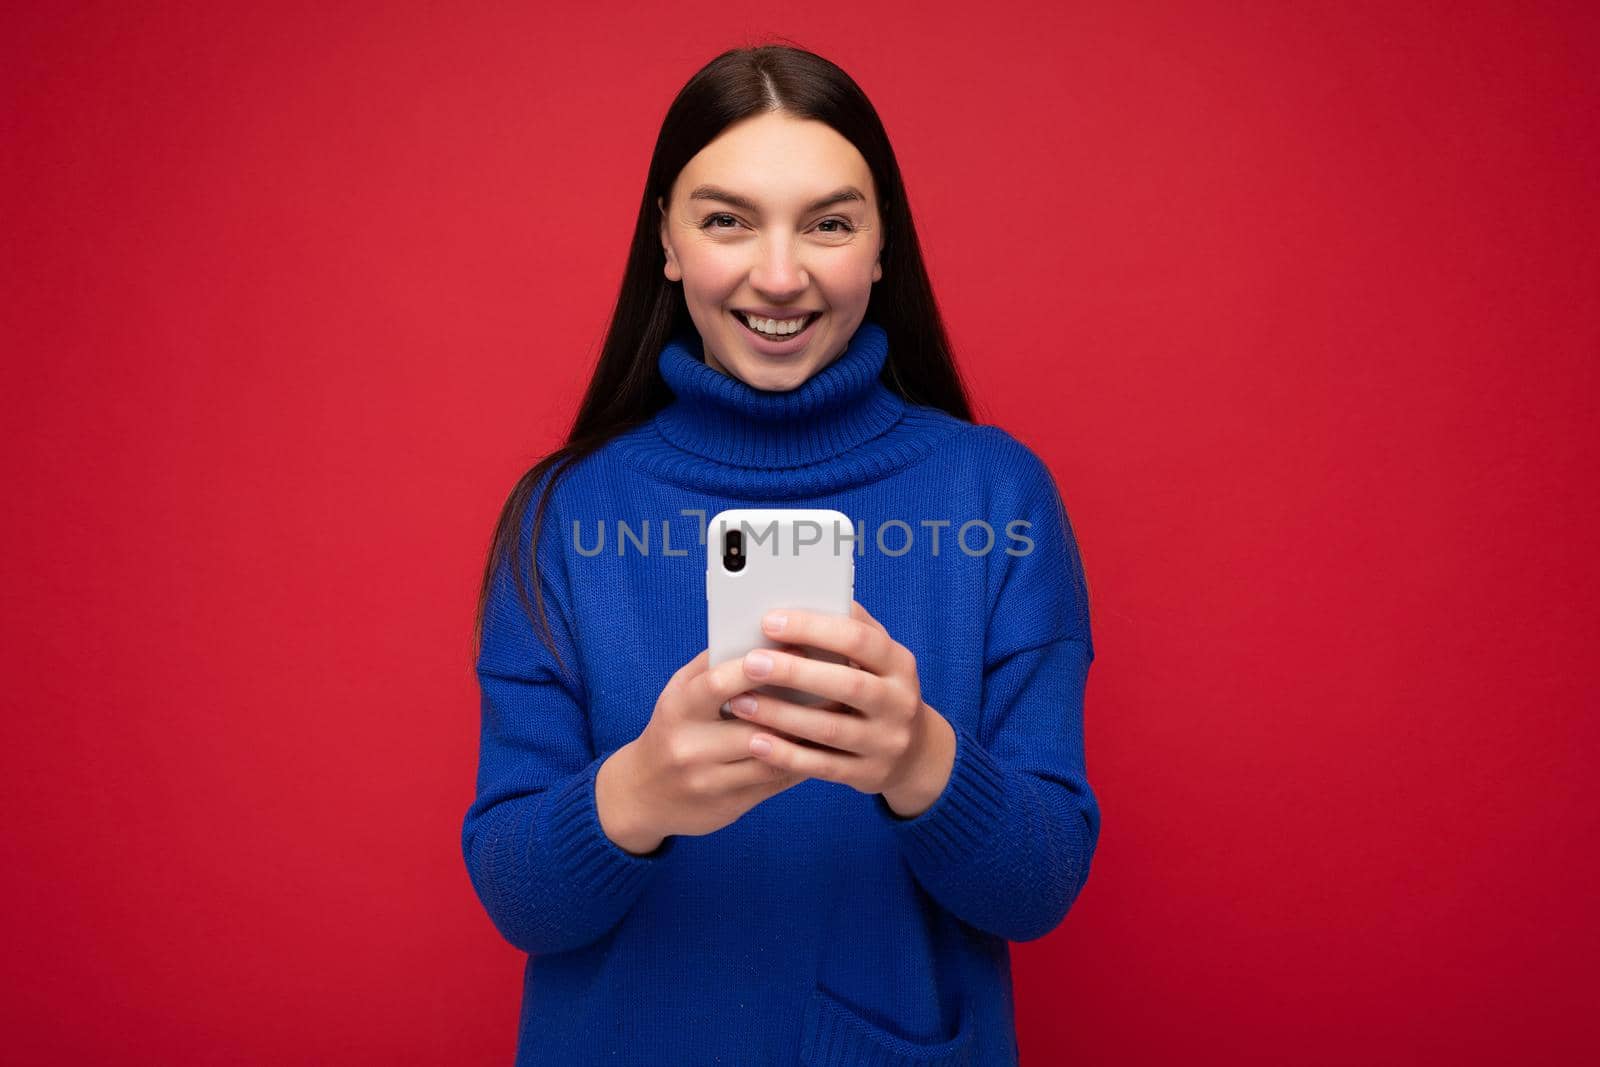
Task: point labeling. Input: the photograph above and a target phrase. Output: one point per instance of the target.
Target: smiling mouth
(745, 322)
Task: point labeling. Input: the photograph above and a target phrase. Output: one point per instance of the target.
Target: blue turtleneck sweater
(820, 927)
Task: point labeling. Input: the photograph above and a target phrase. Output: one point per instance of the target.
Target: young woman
(830, 884)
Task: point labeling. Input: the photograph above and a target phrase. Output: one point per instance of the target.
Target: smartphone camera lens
(733, 550)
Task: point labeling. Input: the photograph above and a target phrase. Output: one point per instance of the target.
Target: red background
(1300, 302)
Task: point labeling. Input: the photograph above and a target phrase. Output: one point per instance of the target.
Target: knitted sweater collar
(721, 419)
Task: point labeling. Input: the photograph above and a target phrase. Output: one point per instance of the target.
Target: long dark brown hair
(627, 389)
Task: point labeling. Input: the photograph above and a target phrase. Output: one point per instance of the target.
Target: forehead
(778, 161)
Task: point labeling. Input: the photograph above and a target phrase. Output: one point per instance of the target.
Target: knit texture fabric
(819, 928)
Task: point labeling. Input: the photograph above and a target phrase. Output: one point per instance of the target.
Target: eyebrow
(841, 195)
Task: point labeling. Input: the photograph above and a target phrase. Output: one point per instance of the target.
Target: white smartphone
(763, 559)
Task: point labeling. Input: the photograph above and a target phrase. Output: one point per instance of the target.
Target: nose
(778, 274)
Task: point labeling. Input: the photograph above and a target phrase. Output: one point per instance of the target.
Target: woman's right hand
(689, 771)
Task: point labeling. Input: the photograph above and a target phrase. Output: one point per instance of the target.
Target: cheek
(848, 279)
(710, 270)
(857, 265)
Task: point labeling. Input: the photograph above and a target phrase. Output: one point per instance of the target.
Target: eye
(844, 226)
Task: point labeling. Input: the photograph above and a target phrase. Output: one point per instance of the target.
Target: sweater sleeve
(539, 860)
(1007, 846)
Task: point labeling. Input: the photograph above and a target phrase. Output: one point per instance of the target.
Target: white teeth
(778, 327)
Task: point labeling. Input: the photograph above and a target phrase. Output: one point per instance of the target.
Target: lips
(779, 346)
(744, 318)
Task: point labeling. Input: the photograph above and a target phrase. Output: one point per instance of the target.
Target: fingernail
(744, 704)
(775, 622)
(760, 746)
(758, 664)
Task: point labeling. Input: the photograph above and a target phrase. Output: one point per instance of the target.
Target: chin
(776, 380)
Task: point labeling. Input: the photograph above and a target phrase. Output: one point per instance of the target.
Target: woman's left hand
(894, 743)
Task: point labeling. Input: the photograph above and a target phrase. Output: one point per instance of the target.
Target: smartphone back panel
(780, 558)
